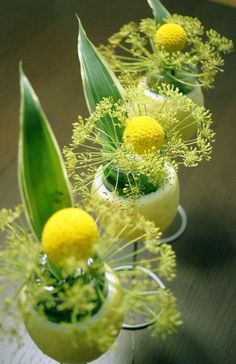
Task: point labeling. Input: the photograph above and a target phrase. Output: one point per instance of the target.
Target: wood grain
(44, 35)
(226, 2)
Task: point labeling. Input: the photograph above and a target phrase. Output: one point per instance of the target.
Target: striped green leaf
(44, 185)
(159, 11)
(98, 82)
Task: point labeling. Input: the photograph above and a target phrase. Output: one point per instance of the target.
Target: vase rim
(112, 284)
(170, 179)
(159, 97)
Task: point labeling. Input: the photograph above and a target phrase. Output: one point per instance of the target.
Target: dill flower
(70, 232)
(78, 315)
(157, 52)
(172, 37)
(143, 134)
(126, 173)
(79, 296)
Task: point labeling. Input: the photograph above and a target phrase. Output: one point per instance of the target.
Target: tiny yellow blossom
(143, 134)
(171, 36)
(69, 233)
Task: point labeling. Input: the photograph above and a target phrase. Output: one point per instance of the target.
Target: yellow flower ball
(143, 134)
(171, 36)
(69, 233)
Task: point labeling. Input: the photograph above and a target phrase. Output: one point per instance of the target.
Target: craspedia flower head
(171, 36)
(69, 233)
(144, 134)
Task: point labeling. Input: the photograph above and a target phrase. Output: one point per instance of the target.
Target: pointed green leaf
(98, 82)
(43, 181)
(159, 11)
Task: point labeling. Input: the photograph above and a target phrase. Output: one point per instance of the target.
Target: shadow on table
(182, 348)
(206, 241)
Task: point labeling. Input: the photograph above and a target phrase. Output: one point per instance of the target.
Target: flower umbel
(76, 297)
(179, 52)
(137, 166)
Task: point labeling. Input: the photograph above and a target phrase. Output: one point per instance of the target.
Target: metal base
(159, 283)
(181, 214)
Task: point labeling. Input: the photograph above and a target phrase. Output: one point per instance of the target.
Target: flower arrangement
(172, 49)
(147, 144)
(61, 273)
(135, 138)
(140, 163)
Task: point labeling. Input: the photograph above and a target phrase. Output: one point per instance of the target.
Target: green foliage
(98, 82)
(159, 11)
(133, 54)
(175, 150)
(44, 185)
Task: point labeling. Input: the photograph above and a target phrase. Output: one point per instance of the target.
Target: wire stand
(151, 275)
(183, 224)
(142, 325)
(145, 324)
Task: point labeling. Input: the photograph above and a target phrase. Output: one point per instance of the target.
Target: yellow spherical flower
(143, 134)
(70, 232)
(171, 36)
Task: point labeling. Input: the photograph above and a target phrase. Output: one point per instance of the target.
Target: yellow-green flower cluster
(23, 262)
(180, 52)
(133, 159)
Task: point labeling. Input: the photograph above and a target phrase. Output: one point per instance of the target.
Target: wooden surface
(43, 34)
(226, 2)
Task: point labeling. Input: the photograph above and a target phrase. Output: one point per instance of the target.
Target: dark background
(43, 34)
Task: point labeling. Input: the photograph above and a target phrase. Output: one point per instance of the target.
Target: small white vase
(159, 206)
(68, 343)
(156, 101)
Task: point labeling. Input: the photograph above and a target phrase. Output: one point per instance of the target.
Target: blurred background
(43, 34)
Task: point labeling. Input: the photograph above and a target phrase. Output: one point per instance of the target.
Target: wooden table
(43, 34)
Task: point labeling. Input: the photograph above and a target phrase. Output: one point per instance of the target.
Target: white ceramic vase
(159, 206)
(186, 127)
(68, 343)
